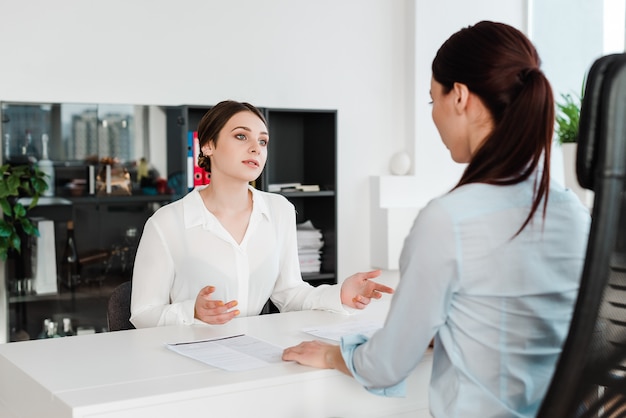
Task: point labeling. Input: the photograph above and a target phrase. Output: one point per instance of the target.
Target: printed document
(234, 353)
(336, 331)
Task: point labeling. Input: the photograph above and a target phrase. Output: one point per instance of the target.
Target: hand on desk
(212, 311)
(358, 290)
(317, 354)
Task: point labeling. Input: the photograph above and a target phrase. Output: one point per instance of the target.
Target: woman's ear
(461, 96)
(207, 149)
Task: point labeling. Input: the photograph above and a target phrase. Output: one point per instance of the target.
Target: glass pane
(116, 132)
(22, 129)
(78, 133)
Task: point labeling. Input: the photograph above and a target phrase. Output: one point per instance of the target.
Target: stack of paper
(293, 187)
(310, 243)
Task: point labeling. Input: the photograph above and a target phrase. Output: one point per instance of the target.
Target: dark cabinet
(107, 230)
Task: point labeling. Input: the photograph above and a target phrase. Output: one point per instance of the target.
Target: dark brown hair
(214, 120)
(499, 64)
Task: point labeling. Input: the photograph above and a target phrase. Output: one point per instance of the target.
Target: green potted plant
(566, 131)
(567, 119)
(18, 181)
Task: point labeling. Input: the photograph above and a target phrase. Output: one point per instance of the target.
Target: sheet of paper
(336, 331)
(234, 353)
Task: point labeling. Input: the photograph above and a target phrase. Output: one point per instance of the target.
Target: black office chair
(118, 309)
(590, 377)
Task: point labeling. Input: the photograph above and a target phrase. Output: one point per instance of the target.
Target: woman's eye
(263, 142)
(240, 136)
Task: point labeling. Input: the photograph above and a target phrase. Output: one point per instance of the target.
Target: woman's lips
(253, 163)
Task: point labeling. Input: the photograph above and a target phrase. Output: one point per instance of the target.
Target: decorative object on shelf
(400, 164)
(113, 179)
(46, 166)
(70, 263)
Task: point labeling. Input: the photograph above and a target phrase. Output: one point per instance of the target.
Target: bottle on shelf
(7, 147)
(68, 331)
(46, 166)
(44, 331)
(52, 330)
(70, 265)
(29, 150)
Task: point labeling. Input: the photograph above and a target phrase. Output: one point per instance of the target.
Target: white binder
(46, 259)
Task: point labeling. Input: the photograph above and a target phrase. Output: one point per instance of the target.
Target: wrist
(332, 357)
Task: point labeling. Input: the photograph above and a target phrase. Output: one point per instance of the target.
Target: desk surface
(132, 374)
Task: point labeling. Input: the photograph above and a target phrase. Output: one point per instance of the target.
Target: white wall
(369, 59)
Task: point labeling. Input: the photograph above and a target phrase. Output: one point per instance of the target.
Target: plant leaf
(6, 229)
(6, 206)
(19, 210)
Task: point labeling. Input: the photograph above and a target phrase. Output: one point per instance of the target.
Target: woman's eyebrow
(245, 128)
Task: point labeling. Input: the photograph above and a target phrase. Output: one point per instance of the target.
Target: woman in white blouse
(224, 249)
(491, 269)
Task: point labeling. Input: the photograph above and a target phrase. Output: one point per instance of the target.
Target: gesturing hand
(358, 290)
(213, 311)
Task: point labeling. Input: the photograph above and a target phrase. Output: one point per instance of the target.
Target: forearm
(335, 360)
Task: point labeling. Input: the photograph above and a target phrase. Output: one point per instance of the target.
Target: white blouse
(184, 248)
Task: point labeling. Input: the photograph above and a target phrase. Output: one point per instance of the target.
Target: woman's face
(450, 122)
(242, 149)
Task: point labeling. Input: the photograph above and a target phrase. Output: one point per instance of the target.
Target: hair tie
(524, 74)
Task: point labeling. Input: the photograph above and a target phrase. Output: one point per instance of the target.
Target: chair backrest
(118, 309)
(590, 377)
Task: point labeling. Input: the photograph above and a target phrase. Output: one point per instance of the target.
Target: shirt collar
(195, 214)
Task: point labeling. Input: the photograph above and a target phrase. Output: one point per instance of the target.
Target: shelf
(132, 199)
(84, 291)
(322, 193)
(315, 277)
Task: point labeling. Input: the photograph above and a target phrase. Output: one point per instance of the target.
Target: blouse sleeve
(428, 274)
(153, 275)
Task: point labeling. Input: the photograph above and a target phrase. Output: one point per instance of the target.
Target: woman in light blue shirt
(491, 269)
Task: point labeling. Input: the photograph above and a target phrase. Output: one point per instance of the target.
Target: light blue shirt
(498, 306)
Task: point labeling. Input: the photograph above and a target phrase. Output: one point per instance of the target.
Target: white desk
(132, 374)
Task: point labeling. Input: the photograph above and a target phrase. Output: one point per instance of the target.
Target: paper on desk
(336, 331)
(234, 353)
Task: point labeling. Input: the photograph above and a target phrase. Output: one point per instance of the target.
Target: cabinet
(107, 223)
(302, 149)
